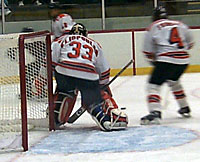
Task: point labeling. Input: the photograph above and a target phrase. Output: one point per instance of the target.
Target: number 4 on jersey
(175, 38)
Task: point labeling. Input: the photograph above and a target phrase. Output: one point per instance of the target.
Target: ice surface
(175, 140)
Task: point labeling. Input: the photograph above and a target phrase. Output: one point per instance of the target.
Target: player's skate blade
(153, 118)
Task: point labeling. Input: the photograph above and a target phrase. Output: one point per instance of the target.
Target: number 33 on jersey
(80, 56)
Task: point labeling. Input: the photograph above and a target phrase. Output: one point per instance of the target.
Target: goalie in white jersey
(80, 65)
(166, 46)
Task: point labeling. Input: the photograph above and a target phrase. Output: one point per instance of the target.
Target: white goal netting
(34, 73)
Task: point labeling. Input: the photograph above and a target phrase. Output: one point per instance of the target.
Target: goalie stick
(81, 110)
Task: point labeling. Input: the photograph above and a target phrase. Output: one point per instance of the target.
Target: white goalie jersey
(168, 41)
(81, 57)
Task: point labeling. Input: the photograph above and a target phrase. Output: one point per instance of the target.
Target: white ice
(130, 92)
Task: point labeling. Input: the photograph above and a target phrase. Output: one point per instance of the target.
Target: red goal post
(22, 39)
(26, 87)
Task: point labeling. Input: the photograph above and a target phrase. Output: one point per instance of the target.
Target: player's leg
(63, 106)
(180, 97)
(157, 78)
(154, 105)
(92, 100)
(64, 98)
(178, 91)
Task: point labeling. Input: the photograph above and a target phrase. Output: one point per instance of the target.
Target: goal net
(25, 87)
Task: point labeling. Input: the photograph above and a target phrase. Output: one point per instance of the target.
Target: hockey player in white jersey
(166, 46)
(80, 65)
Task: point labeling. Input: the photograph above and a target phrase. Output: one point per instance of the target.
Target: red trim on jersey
(176, 54)
(149, 55)
(105, 75)
(77, 66)
(54, 64)
(160, 20)
(94, 41)
(155, 22)
(77, 63)
(106, 72)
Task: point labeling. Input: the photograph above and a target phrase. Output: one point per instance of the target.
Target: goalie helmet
(62, 24)
(159, 13)
(79, 29)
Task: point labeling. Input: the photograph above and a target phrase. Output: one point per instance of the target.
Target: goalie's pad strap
(118, 116)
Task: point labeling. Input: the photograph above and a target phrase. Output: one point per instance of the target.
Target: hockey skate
(153, 118)
(185, 112)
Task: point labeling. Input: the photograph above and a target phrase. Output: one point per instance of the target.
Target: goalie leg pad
(102, 119)
(66, 108)
(119, 119)
(64, 105)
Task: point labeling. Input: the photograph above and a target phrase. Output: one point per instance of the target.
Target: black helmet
(159, 13)
(79, 29)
